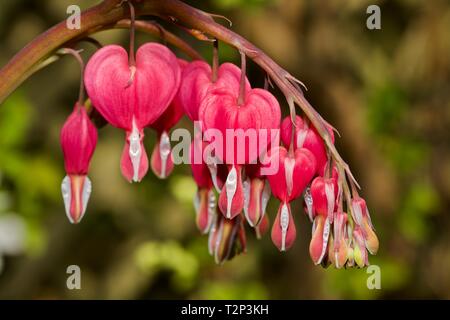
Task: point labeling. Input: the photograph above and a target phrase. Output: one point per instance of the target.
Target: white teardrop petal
(135, 151)
(164, 152)
(230, 189)
(66, 191)
(284, 223)
(86, 194)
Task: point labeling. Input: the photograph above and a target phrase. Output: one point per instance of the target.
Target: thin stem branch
(77, 56)
(241, 98)
(215, 60)
(132, 60)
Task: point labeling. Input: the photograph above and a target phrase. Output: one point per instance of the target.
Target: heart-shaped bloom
(161, 159)
(324, 192)
(131, 98)
(294, 172)
(197, 81)
(306, 136)
(78, 141)
(246, 129)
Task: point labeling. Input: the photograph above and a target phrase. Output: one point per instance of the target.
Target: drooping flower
(198, 80)
(227, 238)
(132, 97)
(258, 113)
(161, 159)
(362, 219)
(293, 173)
(78, 141)
(205, 199)
(306, 136)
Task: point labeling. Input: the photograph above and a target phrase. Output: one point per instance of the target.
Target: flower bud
(362, 219)
(226, 238)
(161, 160)
(319, 239)
(324, 192)
(283, 228)
(78, 141)
(256, 196)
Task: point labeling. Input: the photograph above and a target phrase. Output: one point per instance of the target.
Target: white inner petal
(357, 212)
(289, 164)
(212, 166)
(86, 193)
(230, 188)
(329, 192)
(66, 191)
(301, 137)
(284, 223)
(135, 151)
(265, 197)
(212, 204)
(325, 236)
(246, 188)
(309, 203)
(164, 151)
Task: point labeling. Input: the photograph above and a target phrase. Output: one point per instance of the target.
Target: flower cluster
(154, 89)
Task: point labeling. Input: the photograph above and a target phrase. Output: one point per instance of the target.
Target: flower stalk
(109, 14)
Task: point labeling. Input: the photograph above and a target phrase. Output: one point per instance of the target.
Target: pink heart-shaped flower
(197, 81)
(306, 136)
(291, 172)
(131, 98)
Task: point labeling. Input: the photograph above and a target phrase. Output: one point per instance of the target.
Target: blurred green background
(386, 91)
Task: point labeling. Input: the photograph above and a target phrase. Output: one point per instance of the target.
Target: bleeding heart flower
(307, 137)
(294, 172)
(360, 255)
(197, 81)
(319, 239)
(324, 192)
(161, 159)
(361, 217)
(283, 228)
(227, 238)
(78, 141)
(339, 247)
(132, 98)
(256, 194)
(259, 113)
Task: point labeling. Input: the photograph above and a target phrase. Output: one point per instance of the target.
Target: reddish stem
(241, 98)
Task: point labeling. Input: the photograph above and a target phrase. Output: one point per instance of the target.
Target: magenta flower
(306, 136)
(78, 141)
(258, 111)
(295, 171)
(198, 80)
(132, 97)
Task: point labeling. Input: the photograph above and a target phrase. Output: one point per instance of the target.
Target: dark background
(386, 91)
